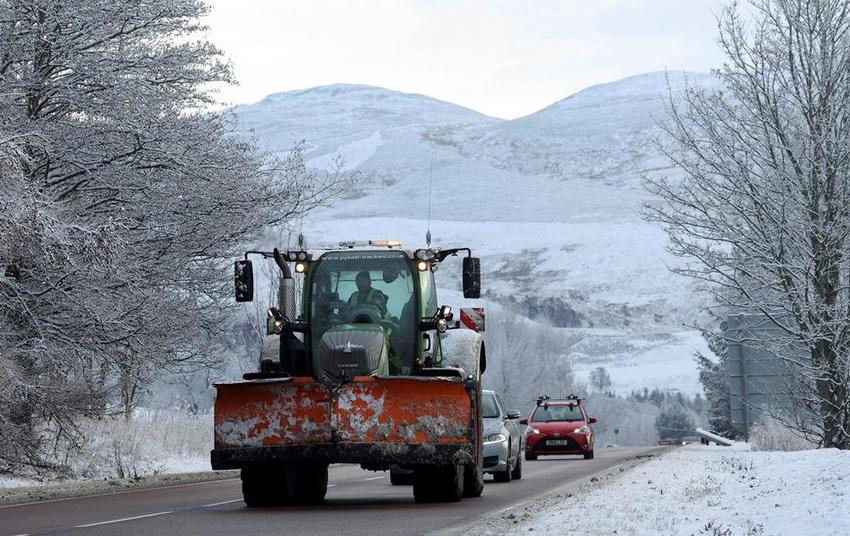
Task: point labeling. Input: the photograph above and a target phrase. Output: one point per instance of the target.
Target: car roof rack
(545, 400)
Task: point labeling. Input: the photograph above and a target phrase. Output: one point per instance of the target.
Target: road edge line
(23, 496)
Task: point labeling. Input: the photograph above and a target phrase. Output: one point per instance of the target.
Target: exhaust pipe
(286, 289)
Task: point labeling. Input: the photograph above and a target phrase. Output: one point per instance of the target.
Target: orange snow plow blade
(366, 420)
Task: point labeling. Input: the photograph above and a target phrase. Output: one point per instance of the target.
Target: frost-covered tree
(674, 422)
(714, 377)
(600, 380)
(121, 203)
(763, 211)
(526, 359)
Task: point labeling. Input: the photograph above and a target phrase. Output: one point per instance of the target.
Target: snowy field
(710, 490)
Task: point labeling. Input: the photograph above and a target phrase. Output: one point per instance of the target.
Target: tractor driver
(366, 295)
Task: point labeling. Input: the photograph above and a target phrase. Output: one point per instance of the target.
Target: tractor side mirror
(243, 277)
(591, 420)
(513, 414)
(523, 421)
(471, 277)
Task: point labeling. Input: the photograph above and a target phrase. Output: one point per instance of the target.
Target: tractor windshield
(370, 287)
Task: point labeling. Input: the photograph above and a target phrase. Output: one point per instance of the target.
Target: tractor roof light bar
(389, 244)
(289, 256)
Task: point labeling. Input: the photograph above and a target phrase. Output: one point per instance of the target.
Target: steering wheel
(365, 313)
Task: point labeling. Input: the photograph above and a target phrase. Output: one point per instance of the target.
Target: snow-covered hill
(549, 201)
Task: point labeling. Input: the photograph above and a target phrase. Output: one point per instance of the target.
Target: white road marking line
(121, 492)
(331, 485)
(373, 478)
(122, 520)
(220, 503)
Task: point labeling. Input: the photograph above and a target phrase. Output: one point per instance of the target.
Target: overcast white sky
(505, 58)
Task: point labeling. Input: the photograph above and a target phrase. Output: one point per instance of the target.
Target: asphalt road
(358, 502)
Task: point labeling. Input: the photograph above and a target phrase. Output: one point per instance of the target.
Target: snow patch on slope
(352, 155)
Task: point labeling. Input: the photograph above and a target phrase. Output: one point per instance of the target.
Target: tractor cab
(363, 310)
(367, 309)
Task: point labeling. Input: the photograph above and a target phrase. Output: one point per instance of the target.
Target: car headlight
(495, 438)
(583, 430)
(532, 431)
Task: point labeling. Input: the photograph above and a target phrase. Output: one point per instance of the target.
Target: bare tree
(600, 380)
(526, 359)
(763, 210)
(121, 204)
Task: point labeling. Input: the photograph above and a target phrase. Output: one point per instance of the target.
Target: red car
(558, 426)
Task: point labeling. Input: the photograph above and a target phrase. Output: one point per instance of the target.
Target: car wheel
(530, 457)
(516, 474)
(588, 455)
(504, 476)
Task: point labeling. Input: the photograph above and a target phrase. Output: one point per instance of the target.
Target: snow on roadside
(153, 443)
(7, 482)
(711, 490)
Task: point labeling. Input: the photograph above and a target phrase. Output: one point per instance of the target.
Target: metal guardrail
(707, 437)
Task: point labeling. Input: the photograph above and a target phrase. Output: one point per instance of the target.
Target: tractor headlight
(495, 438)
(422, 266)
(425, 254)
(300, 267)
(293, 256)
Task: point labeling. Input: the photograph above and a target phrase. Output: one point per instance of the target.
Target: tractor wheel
(473, 480)
(307, 483)
(438, 484)
(400, 478)
(264, 487)
(516, 474)
(423, 485)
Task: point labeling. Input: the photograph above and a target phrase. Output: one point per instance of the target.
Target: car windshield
(489, 409)
(374, 287)
(565, 413)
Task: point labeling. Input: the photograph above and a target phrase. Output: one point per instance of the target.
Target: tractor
(360, 364)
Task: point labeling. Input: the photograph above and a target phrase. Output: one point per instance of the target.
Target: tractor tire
(589, 455)
(438, 484)
(400, 478)
(307, 483)
(264, 487)
(516, 474)
(473, 480)
(530, 457)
